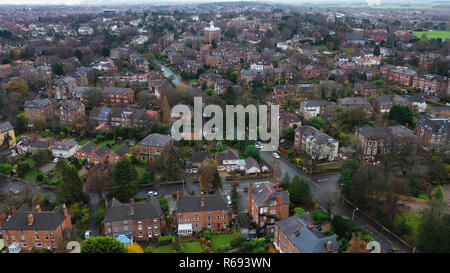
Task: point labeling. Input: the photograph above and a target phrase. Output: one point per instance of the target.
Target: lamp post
(353, 213)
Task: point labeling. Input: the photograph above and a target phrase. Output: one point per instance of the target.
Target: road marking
(383, 236)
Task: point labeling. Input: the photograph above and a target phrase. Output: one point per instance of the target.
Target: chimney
(13, 210)
(279, 200)
(311, 227)
(250, 187)
(30, 219)
(38, 208)
(277, 184)
(106, 203)
(131, 212)
(202, 202)
(65, 210)
(178, 195)
(296, 232)
(329, 245)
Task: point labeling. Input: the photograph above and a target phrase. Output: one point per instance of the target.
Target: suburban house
(313, 108)
(285, 93)
(297, 234)
(315, 143)
(267, 204)
(70, 111)
(100, 155)
(252, 166)
(65, 148)
(288, 120)
(62, 88)
(418, 103)
(194, 213)
(138, 220)
(100, 115)
(86, 150)
(155, 145)
(355, 102)
(33, 143)
(37, 229)
(383, 104)
(433, 131)
(227, 160)
(118, 154)
(38, 109)
(7, 136)
(200, 159)
(119, 95)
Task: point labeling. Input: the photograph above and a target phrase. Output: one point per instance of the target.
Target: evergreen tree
(125, 178)
(71, 188)
(217, 181)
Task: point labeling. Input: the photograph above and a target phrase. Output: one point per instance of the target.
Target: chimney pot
(131, 210)
(329, 245)
(65, 210)
(13, 210)
(30, 219)
(202, 202)
(38, 208)
(279, 200)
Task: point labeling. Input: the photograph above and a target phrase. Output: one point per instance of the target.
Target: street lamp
(353, 213)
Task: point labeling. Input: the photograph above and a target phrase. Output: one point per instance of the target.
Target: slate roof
(438, 126)
(250, 162)
(295, 222)
(65, 145)
(121, 211)
(5, 127)
(102, 151)
(37, 103)
(353, 101)
(191, 203)
(200, 156)
(226, 155)
(122, 150)
(88, 147)
(117, 90)
(45, 220)
(313, 241)
(71, 104)
(265, 192)
(373, 132)
(315, 103)
(313, 133)
(156, 140)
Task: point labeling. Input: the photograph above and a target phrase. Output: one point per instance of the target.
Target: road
(321, 186)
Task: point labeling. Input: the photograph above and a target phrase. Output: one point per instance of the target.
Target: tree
(135, 248)
(434, 227)
(439, 193)
(93, 97)
(285, 181)
(18, 86)
(299, 191)
(230, 96)
(58, 69)
(102, 244)
(70, 189)
(401, 114)
(105, 52)
(125, 176)
(217, 181)
(207, 174)
(251, 151)
(78, 54)
(317, 122)
(99, 214)
(376, 50)
(234, 76)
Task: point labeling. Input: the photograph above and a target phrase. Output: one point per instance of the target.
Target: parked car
(276, 155)
(152, 193)
(194, 170)
(229, 199)
(55, 160)
(88, 234)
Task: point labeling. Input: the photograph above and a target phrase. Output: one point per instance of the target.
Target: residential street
(321, 185)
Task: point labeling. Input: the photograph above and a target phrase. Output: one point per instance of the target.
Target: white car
(14, 154)
(229, 199)
(55, 160)
(258, 146)
(276, 155)
(88, 234)
(152, 193)
(194, 170)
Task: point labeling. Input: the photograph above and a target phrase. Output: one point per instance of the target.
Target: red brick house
(100, 155)
(118, 154)
(140, 220)
(86, 151)
(285, 93)
(267, 203)
(70, 110)
(119, 95)
(433, 131)
(313, 71)
(196, 213)
(37, 229)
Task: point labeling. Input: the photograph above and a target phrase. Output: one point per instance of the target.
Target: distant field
(388, 6)
(444, 34)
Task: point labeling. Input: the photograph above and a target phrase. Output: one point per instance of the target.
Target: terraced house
(199, 212)
(136, 220)
(119, 95)
(37, 229)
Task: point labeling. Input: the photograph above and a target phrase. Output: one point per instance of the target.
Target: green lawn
(435, 34)
(192, 247)
(104, 142)
(84, 141)
(31, 175)
(115, 147)
(221, 240)
(164, 249)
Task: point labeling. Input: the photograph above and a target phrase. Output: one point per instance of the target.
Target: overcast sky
(105, 2)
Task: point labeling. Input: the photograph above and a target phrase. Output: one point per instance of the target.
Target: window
(125, 228)
(209, 212)
(22, 238)
(209, 225)
(116, 229)
(156, 233)
(155, 226)
(149, 234)
(38, 245)
(181, 220)
(224, 211)
(218, 217)
(46, 237)
(54, 245)
(53, 237)
(125, 222)
(149, 226)
(36, 237)
(13, 237)
(180, 213)
(187, 219)
(139, 221)
(224, 217)
(154, 220)
(109, 230)
(196, 219)
(196, 213)
(141, 235)
(24, 245)
(209, 218)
